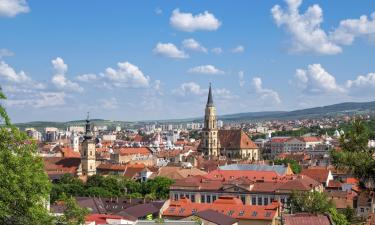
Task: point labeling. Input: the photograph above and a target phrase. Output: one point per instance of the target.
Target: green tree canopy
(355, 155)
(24, 185)
(296, 168)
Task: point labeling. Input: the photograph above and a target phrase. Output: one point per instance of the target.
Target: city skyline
(138, 60)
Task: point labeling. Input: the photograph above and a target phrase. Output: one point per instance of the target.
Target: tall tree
(24, 186)
(73, 213)
(355, 156)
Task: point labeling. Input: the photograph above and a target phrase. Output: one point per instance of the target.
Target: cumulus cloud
(190, 23)
(169, 50)
(59, 79)
(217, 50)
(349, 29)
(205, 69)
(238, 49)
(10, 8)
(38, 100)
(7, 72)
(87, 77)
(5, 53)
(158, 11)
(315, 79)
(308, 36)
(361, 81)
(126, 75)
(241, 78)
(194, 45)
(263, 93)
(305, 30)
(189, 88)
(109, 103)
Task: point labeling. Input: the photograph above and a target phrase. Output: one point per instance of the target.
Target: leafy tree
(73, 214)
(355, 156)
(296, 168)
(159, 187)
(311, 202)
(316, 203)
(24, 186)
(349, 213)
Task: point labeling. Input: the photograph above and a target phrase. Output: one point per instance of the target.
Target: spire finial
(210, 101)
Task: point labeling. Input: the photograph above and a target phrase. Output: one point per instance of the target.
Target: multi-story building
(252, 187)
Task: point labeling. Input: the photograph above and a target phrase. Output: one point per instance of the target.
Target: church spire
(88, 134)
(210, 101)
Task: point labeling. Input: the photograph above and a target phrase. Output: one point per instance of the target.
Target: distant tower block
(74, 141)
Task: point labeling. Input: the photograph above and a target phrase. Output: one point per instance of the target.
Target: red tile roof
(318, 174)
(235, 139)
(227, 205)
(134, 151)
(59, 165)
(307, 219)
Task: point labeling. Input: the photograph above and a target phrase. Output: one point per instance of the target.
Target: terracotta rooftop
(318, 174)
(236, 139)
(307, 219)
(226, 205)
(135, 151)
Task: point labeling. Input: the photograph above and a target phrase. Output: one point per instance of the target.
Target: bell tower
(209, 145)
(88, 158)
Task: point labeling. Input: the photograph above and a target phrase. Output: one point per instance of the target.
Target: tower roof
(210, 101)
(88, 133)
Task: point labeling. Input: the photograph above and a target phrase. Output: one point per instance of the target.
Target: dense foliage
(296, 168)
(355, 155)
(316, 203)
(24, 186)
(73, 214)
(111, 186)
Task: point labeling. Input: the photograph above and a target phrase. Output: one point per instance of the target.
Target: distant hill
(347, 108)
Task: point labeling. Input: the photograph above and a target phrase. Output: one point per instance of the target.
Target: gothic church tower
(209, 145)
(88, 158)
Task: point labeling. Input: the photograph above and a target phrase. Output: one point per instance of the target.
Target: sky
(146, 60)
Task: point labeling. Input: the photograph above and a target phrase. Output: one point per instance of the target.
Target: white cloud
(87, 77)
(349, 29)
(190, 23)
(126, 75)
(238, 49)
(205, 69)
(59, 79)
(169, 50)
(265, 94)
(241, 78)
(362, 81)
(10, 8)
(217, 50)
(315, 79)
(193, 45)
(39, 100)
(158, 11)
(10, 74)
(305, 30)
(110, 103)
(189, 88)
(5, 53)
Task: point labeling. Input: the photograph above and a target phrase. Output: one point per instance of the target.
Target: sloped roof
(55, 165)
(134, 151)
(235, 139)
(307, 219)
(175, 173)
(318, 174)
(279, 169)
(227, 205)
(216, 217)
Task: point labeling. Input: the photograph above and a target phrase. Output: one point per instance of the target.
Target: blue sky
(137, 60)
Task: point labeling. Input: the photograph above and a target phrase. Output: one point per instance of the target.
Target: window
(265, 201)
(213, 198)
(175, 197)
(181, 196)
(192, 198)
(282, 200)
(208, 198)
(254, 200)
(243, 199)
(260, 201)
(203, 198)
(254, 213)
